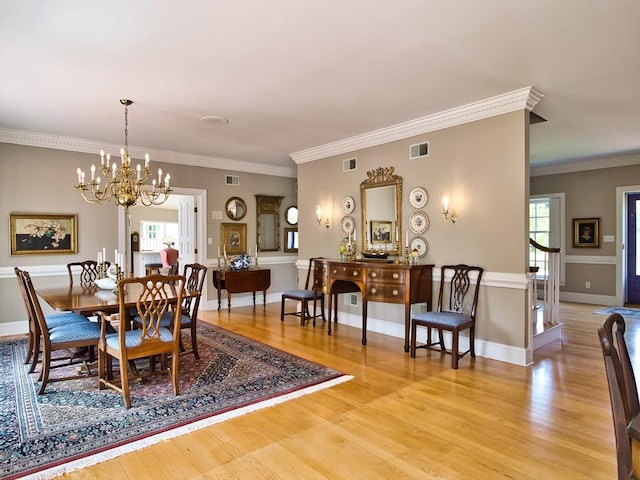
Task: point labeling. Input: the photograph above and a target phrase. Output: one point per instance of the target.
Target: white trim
(524, 98)
(548, 336)
(590, 259)
(42, 140)
(590, 298)
(621, 232)
(10, 329)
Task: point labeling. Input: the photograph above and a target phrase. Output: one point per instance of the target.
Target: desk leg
(364, 322)
(264, 299)
(407, 325)
(254, 299)
(330, 303)
(219, 298)
(228, 301)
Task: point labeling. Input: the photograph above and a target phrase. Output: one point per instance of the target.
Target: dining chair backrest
(31, 301)
(152, 305)
(623, 391)
(195, 275)
(455, 297)
(87, 269)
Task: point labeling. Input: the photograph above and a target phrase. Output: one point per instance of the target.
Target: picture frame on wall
(234, 238)
(43, 234)
(381, 231)
(586, 232)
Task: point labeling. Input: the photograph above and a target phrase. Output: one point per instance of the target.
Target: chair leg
(304, 312)
(44, 373)
(124, 379)
(174, 374)
(322, 307)
(441, 337)
(36, 353)
(30, 348)
(454, 350)
(472, 341)
(194, 343)
(101, 368)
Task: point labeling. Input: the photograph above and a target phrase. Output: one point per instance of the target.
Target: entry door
(187, 226)
(633, 249)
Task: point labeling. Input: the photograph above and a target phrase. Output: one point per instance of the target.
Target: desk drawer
(389, 293)
(386, 275)
(346, 272)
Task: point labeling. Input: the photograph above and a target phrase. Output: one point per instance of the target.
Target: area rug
(627, 313)
(74, 424)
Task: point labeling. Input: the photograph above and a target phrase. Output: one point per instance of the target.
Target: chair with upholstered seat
(456, 311)
(65, 336)
(150, 339)
(52, 320)
(87, 270)
(304, 296)
(623, 391)
(195, 275)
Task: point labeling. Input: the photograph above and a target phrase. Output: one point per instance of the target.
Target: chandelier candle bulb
(102, 157)
(166, 180)
(93, 172)
(159, 177)
(146, 161)
(138, 171)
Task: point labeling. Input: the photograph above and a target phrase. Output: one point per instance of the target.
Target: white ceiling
(293, 75)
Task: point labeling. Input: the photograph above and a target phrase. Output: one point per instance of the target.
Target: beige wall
(590, 194)
(484, 167)
(41, 180)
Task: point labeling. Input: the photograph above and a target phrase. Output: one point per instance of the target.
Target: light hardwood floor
(405, 418)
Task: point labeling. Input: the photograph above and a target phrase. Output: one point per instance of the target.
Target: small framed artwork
(291, 240)
(380, 231)
(234, 238)
(36, 234)
(586, 232)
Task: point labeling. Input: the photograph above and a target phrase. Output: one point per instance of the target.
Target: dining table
(91, 298)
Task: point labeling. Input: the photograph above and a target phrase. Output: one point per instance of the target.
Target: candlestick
(218, 251)
(406, 241)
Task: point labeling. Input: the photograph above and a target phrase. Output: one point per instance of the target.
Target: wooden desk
(92, 299)
(378, 282)
(242, 281)
(634, 433)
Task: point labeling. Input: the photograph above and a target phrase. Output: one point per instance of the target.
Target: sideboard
(378, 282)
(241, 281)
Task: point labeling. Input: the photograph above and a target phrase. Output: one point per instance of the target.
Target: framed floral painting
(36, 234)
(234, 238)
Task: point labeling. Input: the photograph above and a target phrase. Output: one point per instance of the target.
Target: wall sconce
(321, 222)
(445, 210)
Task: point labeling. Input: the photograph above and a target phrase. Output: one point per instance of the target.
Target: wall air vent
(419, 150)
(232, 180)
(349, 164)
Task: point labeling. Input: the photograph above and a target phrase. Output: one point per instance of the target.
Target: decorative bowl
(105, 283)
(239, 262)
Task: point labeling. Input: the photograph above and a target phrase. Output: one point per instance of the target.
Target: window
(546, 220)
(154, 233)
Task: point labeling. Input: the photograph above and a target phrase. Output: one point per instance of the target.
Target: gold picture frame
(43, 234)
(234, 238)
(586, 232)
(381, 231)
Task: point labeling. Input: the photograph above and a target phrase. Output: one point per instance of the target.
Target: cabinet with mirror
(268, 222)
(381, 200)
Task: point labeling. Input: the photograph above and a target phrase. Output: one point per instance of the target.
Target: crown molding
(33, 139)
(622, 160)
(524, 98)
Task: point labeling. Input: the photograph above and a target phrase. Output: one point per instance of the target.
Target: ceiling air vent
(232, 180)
(348, 165)
(419, 150)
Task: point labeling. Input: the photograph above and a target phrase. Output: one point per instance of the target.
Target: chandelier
(124, 184)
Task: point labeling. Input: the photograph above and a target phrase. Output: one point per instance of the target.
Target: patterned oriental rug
(626, 312)
(74, 424)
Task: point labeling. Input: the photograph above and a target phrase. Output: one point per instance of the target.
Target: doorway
(628, 245)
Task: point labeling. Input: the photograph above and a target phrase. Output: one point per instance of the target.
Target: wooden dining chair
(87, 270)
(60, 337)
(623, 391)
(52, 320)
(150, 339)
(304, 297)
(195, 275)
(456, 311)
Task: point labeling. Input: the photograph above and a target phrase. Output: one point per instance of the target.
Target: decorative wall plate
(348, 224)
(418, 197)
(419, 244)
(418, 222)
(348, 204)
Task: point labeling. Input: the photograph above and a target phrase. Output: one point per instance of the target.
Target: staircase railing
(551, 283)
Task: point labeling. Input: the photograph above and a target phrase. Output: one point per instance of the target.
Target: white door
(187, 226)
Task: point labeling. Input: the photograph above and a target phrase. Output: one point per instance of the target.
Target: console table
(378, 282)
(242, 281)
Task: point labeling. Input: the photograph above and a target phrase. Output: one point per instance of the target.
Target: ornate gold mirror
(381, 200)
(268, 222)
(235, 208)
